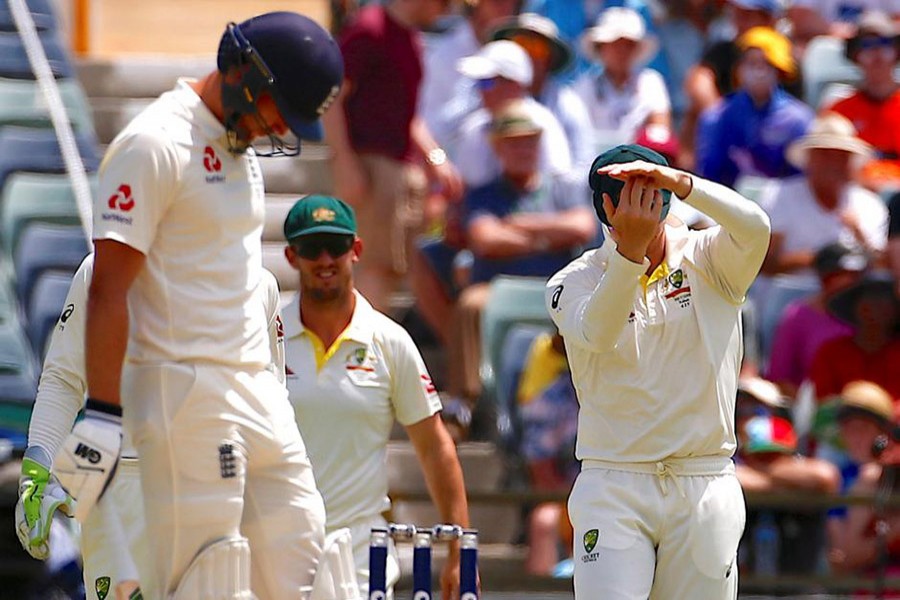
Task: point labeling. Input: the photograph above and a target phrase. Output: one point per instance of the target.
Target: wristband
(103, 407)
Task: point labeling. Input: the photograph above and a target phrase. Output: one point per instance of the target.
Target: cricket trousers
(114, 542)
(221, 456)
(664, 531)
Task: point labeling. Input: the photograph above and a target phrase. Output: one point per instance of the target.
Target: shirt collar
(359, 330)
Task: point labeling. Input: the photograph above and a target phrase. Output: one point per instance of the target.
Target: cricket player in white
(651, 322)
(113, 538)
(227, 485)
(350, 372)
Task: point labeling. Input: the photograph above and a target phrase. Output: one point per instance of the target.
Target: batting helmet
(288, 56)
(601, 184)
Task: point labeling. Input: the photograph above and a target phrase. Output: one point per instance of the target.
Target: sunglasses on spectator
(311, 247)
(871, 43)
(486, 85)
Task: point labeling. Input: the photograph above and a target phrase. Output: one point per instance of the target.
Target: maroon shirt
(383, 62)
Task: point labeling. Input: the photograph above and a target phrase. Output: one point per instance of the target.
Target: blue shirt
(738, 138)
(500, 199)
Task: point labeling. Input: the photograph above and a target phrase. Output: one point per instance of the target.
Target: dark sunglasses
(870, 43)
(311, 247)
(485, 85)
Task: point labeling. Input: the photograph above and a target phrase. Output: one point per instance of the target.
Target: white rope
(58, 115)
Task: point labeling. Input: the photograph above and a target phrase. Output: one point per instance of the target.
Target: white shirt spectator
(806, 225)
(572, 113)
(621, 113)
(847, 11)
(475, 158)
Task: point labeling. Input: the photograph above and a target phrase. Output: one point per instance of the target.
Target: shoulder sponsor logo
(554, 299)
(589, 541)
(121, 202)
(428, 384)
(101, 586)
(279, 327)
(66, 313)
(213, 165)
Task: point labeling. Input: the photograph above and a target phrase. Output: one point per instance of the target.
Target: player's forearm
(559, 231)
(106, 339)
(743, 219)
(606, 311)
(499, 240)
(444, 478)
(55, 408)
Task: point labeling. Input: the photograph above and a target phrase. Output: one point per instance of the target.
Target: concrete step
(139, 76)
(308, 173)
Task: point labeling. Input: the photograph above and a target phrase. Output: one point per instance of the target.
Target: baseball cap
(503, 58)
(600, 184)
(768, 433)
(775, 47)
(514, 120)
(319, 214)
(837, 257)
(304, 60)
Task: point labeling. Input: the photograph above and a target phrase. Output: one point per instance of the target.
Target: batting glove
(40, 496)
(88, 458)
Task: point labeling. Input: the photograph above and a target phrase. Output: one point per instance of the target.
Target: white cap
(618, 23)
(503, 58)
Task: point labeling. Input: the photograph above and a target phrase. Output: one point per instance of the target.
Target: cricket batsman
(652, 327)
(113, 538)
(227, 484)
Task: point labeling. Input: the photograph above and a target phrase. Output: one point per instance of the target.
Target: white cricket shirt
(655, 368)
(346, 399)
(170, 189)
(63, 385)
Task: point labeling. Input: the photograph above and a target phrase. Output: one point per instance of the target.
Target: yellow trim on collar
(322, 355)
(661, 272)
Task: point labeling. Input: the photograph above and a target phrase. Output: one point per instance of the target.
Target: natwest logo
(211, 162)
(122, 199)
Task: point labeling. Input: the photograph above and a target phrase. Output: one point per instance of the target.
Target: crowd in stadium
(476, 137)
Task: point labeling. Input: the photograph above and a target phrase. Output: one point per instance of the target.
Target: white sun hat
(829, 131)
(616, 23)
(503, 58)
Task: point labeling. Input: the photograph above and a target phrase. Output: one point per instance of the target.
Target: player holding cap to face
(651, 322)
(350, 372)
(177, 260)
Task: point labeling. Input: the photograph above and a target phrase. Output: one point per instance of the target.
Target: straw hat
(829, 131)
(762, 390)
(616, 23)
(561, 55)
(867, 399)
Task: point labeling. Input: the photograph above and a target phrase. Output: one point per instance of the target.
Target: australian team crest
(676, 279)
(590, 540)
(360, 360)
(101, 586)
(323, 214)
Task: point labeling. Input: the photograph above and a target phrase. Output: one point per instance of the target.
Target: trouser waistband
(669, 468)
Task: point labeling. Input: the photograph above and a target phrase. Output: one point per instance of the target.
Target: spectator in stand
(826, 205)
(441, 80)
(713, 77)
(503, 73)
(747, 133)
(872, 352)
(548, 410)
(551, 55)
(806, 323)
(378, 140)
(809, 18)
(874, 109)
(625, 96)
(865, 413)
(522, 223)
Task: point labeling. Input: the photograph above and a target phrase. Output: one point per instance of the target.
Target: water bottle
(766, 545)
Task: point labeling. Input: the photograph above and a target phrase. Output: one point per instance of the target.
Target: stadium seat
(41, 13)
(14, 61)
(43, 247)
(37, 151)
(15, 353)
(22, 103)
(512, 362)
(824, 63)
(46, 304)
(512, 300)
(29, 197)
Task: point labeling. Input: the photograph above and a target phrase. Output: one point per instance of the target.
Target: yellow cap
(775, 46)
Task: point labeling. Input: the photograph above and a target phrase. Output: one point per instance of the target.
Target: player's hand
(40, 496)
(635, 220)
(450, 577)
(659, 176)
(86, 463)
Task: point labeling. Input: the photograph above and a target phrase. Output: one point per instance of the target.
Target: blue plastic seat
(14, 61)
(41, 13)
(37, 151)
(47, 302)
(23, 103)
(44, 247)
(29, 197)
(15, 352)
(512, 300)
